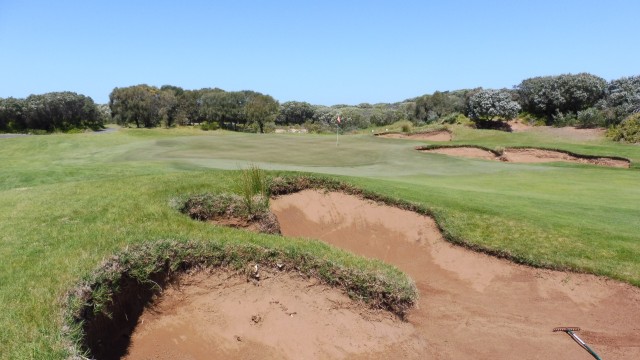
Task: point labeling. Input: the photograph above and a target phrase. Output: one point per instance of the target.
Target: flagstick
(337, 130)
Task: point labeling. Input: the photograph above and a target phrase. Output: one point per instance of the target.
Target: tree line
(149, 106)
(571, 99)
(54, 111)
(581, 99)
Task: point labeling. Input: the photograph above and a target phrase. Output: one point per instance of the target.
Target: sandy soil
(430, 136)
(517, 126)
(473, 306)
(464, 152)
(527, 156)
(219, 315)
(539, 155)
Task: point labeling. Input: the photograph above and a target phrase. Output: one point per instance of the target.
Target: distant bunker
(526, 155)
(440, 135)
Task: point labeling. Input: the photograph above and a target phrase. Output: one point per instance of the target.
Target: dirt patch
(528, 155)
(220, 315)
(472, 305)
(264, 223)
(429, 136)
(518, 126)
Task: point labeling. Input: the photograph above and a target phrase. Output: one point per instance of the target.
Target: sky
(322, 52)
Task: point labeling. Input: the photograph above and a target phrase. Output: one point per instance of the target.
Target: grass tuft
(253, 186)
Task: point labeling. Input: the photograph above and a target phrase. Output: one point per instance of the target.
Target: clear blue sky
(324, 52)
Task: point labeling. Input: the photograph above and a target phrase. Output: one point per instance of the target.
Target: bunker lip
(471, 303)
(526, 155)
(436, 135)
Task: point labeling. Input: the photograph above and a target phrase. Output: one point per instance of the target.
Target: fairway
(69, 201)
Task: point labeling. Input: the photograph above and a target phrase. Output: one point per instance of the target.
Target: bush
(531, 119)
(492, 105)
(456, 118)
(627, 131)
(406, 126)
(210, 126)
(590, 118)
(561, 120)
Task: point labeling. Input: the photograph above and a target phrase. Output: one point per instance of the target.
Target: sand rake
(571, 332)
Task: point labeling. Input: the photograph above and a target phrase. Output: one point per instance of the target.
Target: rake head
(565, 329)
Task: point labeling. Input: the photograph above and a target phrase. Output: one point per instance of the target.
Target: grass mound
(232, 210)
(102, 310)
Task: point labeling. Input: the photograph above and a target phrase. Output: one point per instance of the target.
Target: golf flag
(338, 119)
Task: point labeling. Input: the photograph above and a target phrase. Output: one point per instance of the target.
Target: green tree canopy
(261, 109)
(491, 105)
(548, 96)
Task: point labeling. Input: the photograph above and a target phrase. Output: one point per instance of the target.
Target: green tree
(261, 109)
(295, 112)
(432, 107)
(555, 96)
(486, 106)
(12, 114)
(223, 107)
(623, 98)
(135, 105)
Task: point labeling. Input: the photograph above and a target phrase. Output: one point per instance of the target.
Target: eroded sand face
(222, 316)
(473, 306)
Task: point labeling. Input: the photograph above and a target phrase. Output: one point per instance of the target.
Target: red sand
(473, 306)
(527, 155)
(220, 315)
(464, 152)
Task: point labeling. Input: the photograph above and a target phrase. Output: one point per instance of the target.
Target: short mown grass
(70, 201)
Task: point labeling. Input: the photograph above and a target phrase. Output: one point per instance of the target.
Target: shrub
(590, 118)
(568, 93)
(627, 131)
(491, 105)
(210, 126)
(531, 119)
(406, 126)
(456, 118)
(562, 120)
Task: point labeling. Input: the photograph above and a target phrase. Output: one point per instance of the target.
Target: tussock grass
(253, 187)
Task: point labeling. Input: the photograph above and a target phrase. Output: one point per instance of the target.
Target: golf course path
(473, 306)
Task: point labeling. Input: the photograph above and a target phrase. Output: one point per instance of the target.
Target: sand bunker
(220, 315)
(429, 136)
(528, 155)
(471, 152)
(472, 306)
